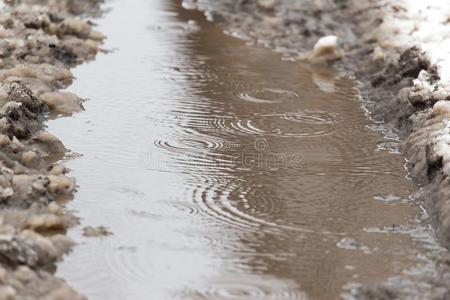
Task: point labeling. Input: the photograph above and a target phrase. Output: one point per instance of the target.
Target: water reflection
(301, 212)
(224, 172)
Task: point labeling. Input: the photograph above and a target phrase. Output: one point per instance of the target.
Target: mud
(400, 86)
(39, 42)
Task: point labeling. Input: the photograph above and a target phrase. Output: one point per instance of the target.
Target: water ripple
(247, 288)
(268, 95)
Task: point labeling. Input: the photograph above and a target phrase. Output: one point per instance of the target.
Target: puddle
(225, 172)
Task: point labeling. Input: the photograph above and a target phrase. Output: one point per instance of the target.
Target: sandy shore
(39, 42)
(398, 53)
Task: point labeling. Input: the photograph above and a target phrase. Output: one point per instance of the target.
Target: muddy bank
(39, 42)
(402, 81)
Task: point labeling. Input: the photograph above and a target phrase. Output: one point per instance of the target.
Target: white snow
(325, 45)
(425, 24)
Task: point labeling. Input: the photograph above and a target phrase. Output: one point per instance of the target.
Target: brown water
(225, 172)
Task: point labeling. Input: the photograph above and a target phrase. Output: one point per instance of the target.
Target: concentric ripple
(268, 95)
(312, 117)
(228, 204)
(286, 125)
(248, 288)
(298, 124)
(194, 144)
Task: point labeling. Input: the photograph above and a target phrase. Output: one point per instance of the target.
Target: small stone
(58, 169)
(29, 158)
(4, 140)
(62, 102)
(45, 222)
(90, 231)
(60, 184)
(6, 193)
(378, 54)
(2, 275)
(7, 293)
(266, 4)
(96, 36)
(54, 208)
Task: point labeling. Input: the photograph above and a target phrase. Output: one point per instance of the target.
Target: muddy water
(225, 172)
